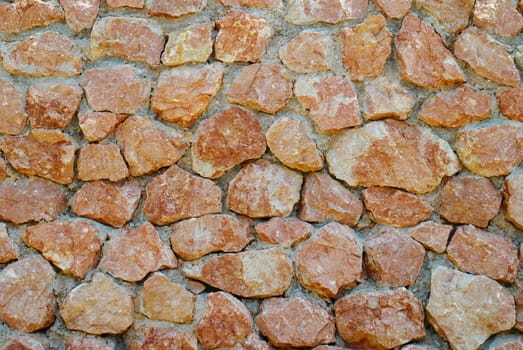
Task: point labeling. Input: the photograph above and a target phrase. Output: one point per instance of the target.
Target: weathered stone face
(314, 11)
(283, 231)
(513, 193)
(87, 344)
(498, 16)
(191, 45)
(432, 235)
(23, 15)
(101, 161)
(12, 115)
(453, 15)
(510, 101)
(23, 342)
(125, 3)
(80, 15)
(147, 335)
(173, 9)
(385, 97)
(396, 9)
(306, 53)
(8, 248)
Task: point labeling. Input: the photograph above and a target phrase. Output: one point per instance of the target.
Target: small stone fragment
(98, 307)
(241, 37)
(45, 153)
(177, 194)
(174, 8)
(27, 301)
(264, 189)
(261, 4)
(101, 161)
(44, 54)
(304, 12)
(12, 115)
(380, 320)
(191, 45)
(283, 231)
(87, 344)
(330, 262)
(393, 258)
(184, 93)
(8, 248)
(486, 57)
(451, 14)
(128, 91)
(80, 15)
(23, 342)
(26, 14)
(510, 102)
(97, 125)
(432, 235)
(139, 4)
(295, 322)
(196, 237)
(498, 16)
(395, 9)
(163, 338)
(73, 246)
(225, 140)
(366, 48)
(480, 307)
(331, 101)
(513, 193)
(109, 203)
(386, 98)
(250, 274)
(306, 53)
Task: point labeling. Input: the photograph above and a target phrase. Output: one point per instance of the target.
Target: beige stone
(125, 3)
(162, 338)
(513, 194)
(87, 344)
(304, 12)
(173, 9)
(453, 15)
(80, 15)
(23, 342)
(96, 126)
(262, 4)
(8, 248)
(386, 98)
(498, 16)
(283, 231)
(22, 15)
(191, 45)
(12, 115)
(510, 101)
(307, 52)
(432, 235)
(395, 9)
(101, 161)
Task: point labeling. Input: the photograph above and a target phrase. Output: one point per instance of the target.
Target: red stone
(386, 98)
(191, 45)
(453, 15)
(283, 231)
(306, 53)
(513, 193)
(96, 126)
(80, 15)
(432, 235)
(8, 248)
(12, 115)
(174, 8)
(395, 9)
(26, 14)
(303, 12)
(510, 101)
(157, 337)
(101, 161)
(498, 16)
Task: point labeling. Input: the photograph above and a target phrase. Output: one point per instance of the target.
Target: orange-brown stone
(510, 101)
(8, 248)
(101, 161)
(151, 336)
(432, 235)
(331, 11)
(96, 126)
(386, 98)
(262, 4)
(306, 53)
(498, 16)
(395, 9)
(283, 231)
(125, 3)
(174, 8)
(12, 115)
(191, 45)
(513, 193)
(80, 15)
(22, 15)
(453, 15)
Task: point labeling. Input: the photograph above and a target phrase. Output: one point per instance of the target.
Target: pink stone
(395, 9)
(262, 4)
(306, 53)
(12, 115)
(513, 193)
(8, 248)
(283, 231)
(26, 14)
(191, 45)
(73, 246)
(453, 15)
(151, 336)
(331, 11)
(386, 98)
(177, 194)
(97, 125)
(101, 161)
(87, 344)
(432, 235)
(498, 16)
(174, 8)
(139, 4)
(80, 15)
(23, 342)
(510, 102)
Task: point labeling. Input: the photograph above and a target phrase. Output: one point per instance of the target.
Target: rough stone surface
(125, 3)
(306, 53)
(513, 193)
(330, 11)
(12, 115)
(467, 309)
(262, 4)
(163, 338)
(395, 9)
(80, 15)
(264, 189)
(173, 8)
(506, 343)
(283, 231)
(451, 14)
(330, 261)
(225, 140)
(518, 299)
(191, 45)
(386, 98)
(510, 101)
(23, 342)
(96, 126)
(296, 322)
(87, 344)
(22, 15)
(379, 320)
(101, 161)
(27, 301)
(8, 248)
(98, 307)
(251, 274)
(498, 16)
(432, 235)
(365, 157)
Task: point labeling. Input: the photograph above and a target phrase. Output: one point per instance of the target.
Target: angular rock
(262, 4)
(365, 157)
(491, 150)
(264, 189)
(393, 258)
(177, 194)
(324, 199)
(96, 126)
(304, 12)
(173, 8)
(225, 140)
(380, 320)
(331, 101)
(184, 93)
(23, 342)
(480, 307)
(451, 14)
(513, 204)
(45, 153)
(225, 323)
(128, 91)
(12, 115)
(109, 203)
(87, 344)
(133, 39)
(44, 54)
(386, 98)
(366, 48)
(148, 254)
(146, 147)
(330, 262)
(306, 53)
(250, 274)
(241, 37)
(191, 45)
(393, 207)
(138, 4)
(8, 248)
(432, 235)
(296, 322)
(498, 16)
(283, 231)
(486, 57)
(163, 338)
(80, 15)
(27, 301)
(423, 58)
(196, 237)
(481, 252)
(73, 246)
(26, 14)
(510, 101)
(469, 200)
(101, 161)
(395, 9)
(98, 307)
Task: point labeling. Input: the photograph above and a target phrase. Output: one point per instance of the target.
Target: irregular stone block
(191, 45)
(26, 14)
(80, 15)
(12, 115)
(498, 16)
(510, 101)
(432, 235)
(386, 98)
(8, 248)
(304, 12)
(306, 53)
(174, 8)
(96, 126)
(101, 161)
(451, 14)
(283, 231)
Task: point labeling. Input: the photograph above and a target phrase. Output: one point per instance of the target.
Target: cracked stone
(191, 45)
(96, 126)
(101, 161)
(306, 53)
(432, 235)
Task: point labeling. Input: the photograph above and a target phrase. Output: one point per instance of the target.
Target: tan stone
(379, 320)
(513, 204)
(139, 4)
(466, 310)
(283, 231)
(196, 237)
(87, 344)
(98, 307)
(148, 254)
(73, 246)
(491, 150)
(3, 170)
(395, 9)
(432, 235)
(393, 258)
(12, 115)
(386, 98)
(80, 15)
(23, 342)
(250, 274)
(453, 15)
(486, 57)
(366, 48)
(330, 261)
(510, 101)
(96, 126)
(306, 53)
(128, 91)
(262, 4)
(264, 189)
(163, 338)
(296, 322)
(177, 194)
(164, 300)
(26, 14)
(45, 153)
(146, 147)
(184, 93)
(225, 323)
(27, 301)
(225, 140)
(423, 58)
(393, 207)
(44, 54)
(498, 16)
(332, 11)
(191, 45)
(101, 161)
(241, 37)
(331, 101)
(109, 203)
(8, 248)
(172, 8)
